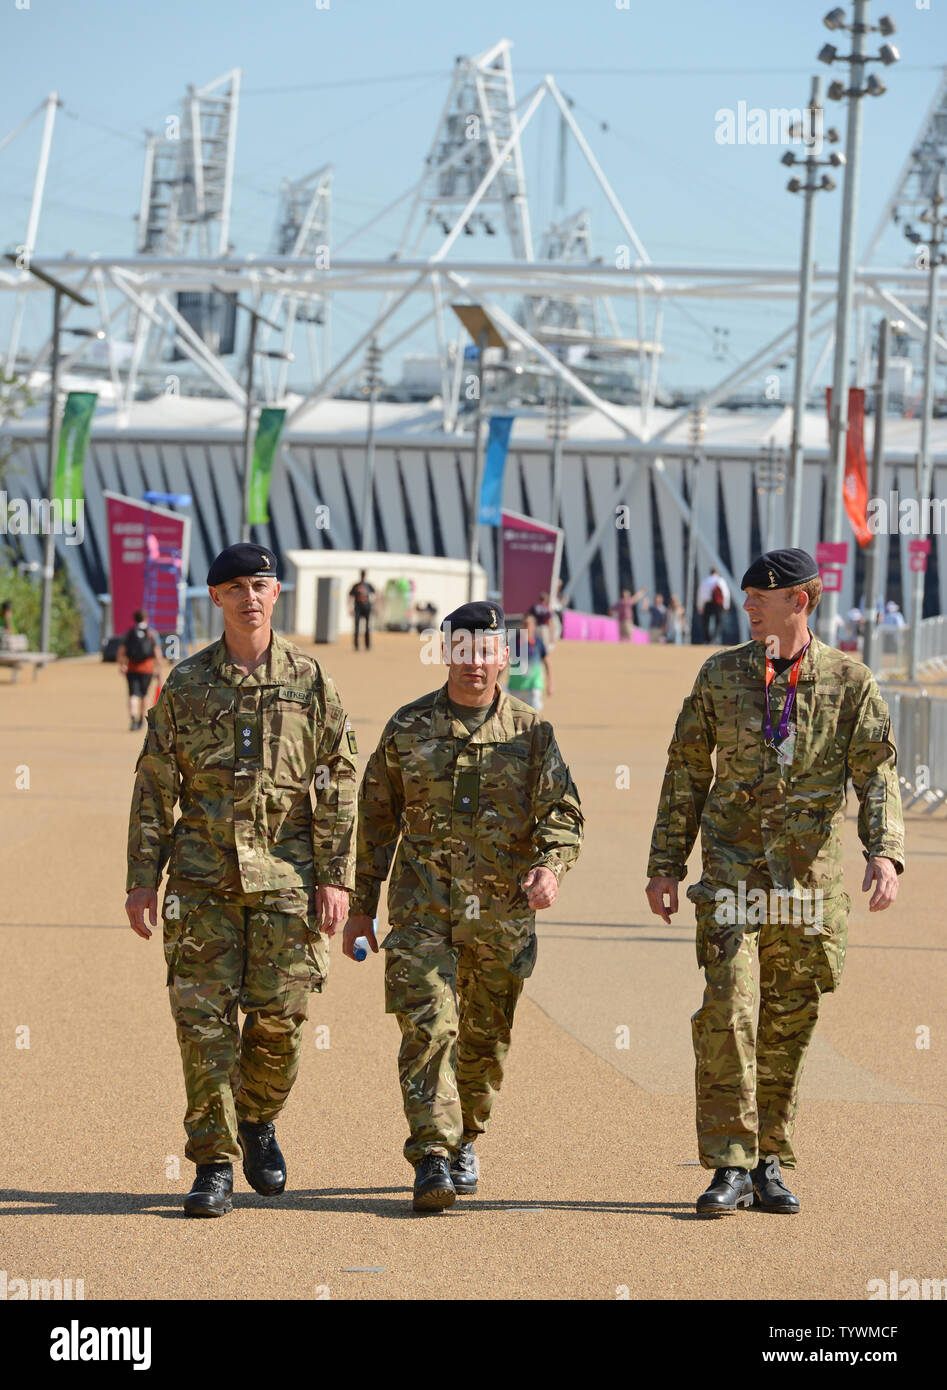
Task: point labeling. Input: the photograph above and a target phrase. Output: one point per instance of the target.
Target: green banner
(73, 440)
(268, 432)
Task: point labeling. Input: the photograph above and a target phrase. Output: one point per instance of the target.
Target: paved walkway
(589, 1172)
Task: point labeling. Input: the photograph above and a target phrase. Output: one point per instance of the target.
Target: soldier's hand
(541, 888)
(332, 906)
(358, 925)
(657, 890)
(139, 901)
(884, 875)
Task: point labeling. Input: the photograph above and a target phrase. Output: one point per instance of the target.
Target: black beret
(780, 569)
(238, 560)
(475, 617)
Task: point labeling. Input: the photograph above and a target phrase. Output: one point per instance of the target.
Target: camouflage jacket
(240, 753)
(474, 813)
(768, 824)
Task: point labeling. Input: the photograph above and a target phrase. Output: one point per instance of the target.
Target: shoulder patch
(350, 738)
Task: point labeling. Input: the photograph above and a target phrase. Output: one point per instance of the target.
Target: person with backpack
(713, 600)
(137, 658)
(362, 599)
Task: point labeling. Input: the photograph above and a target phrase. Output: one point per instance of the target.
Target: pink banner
(147, 563)
(831, 553)
(530, 558)
(591, 627)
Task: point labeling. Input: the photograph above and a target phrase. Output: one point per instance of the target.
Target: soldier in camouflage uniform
(257, 878)
(789, 732)
(473, 783)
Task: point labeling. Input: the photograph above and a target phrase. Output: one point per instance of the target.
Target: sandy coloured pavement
(589, 1173)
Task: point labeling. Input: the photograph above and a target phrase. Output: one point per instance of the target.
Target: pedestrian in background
(713, 601)
(542, 612)
(530, 673)
(139, 658)
(674, 626)
(362, 605)
(624, 611)
(657, 619)
(557, 608)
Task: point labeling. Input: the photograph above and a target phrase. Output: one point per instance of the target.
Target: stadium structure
(650, 490)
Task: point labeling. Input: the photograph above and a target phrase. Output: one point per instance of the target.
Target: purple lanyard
(790, 698)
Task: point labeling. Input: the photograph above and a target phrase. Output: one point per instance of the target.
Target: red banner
(148, 553)
(855, 491)
(531, 552)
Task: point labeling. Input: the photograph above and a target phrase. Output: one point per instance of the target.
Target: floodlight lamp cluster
(887, 54)
(836, 159)
(470, 226)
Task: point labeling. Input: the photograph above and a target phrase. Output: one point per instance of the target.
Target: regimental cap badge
(265, 561)
(493, 617)
(772, 579)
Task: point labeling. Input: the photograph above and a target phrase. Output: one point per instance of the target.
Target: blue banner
(491, 491)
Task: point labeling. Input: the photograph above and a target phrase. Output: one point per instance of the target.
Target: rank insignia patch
(248, 744)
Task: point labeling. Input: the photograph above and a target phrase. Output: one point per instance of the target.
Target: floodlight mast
(936, 221)
(838, 424)
(810, 188)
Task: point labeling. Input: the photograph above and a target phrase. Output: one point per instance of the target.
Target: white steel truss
(473, 180)
(187, 188)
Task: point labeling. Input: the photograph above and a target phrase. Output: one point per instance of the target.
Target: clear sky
(361, 83)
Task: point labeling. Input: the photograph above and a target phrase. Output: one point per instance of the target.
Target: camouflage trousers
(454, 1003)
(256, 951)
(747, 1078)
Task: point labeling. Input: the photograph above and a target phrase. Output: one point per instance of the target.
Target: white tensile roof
(746, 432)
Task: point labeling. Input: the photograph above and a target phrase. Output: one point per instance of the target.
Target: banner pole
(49, 549)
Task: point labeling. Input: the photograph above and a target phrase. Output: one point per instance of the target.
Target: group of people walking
(667, 622)
(468, 808)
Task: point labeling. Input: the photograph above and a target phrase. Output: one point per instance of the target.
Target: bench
(17, 659)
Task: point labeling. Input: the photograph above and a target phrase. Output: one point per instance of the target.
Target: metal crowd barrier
(893, 647)
(919, 724)
(933, 644)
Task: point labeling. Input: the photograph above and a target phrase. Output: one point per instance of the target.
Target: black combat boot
(263, 1165)
(433, 1189)
(212, 1192)
(730, 1188)
(465, 1170)
(770, 1192)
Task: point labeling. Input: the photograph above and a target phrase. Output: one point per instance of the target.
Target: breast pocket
(824, 725)
(506, 785)
(427, 779)
(206, 720)
(739, 739)
(289, 750)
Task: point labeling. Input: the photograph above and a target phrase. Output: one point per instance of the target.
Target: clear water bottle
(362, 947)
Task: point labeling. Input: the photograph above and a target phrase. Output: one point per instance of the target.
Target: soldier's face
(770, 610)
(474, 662)
(247, 602)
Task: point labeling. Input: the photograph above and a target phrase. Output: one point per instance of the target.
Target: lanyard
(771, 742)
